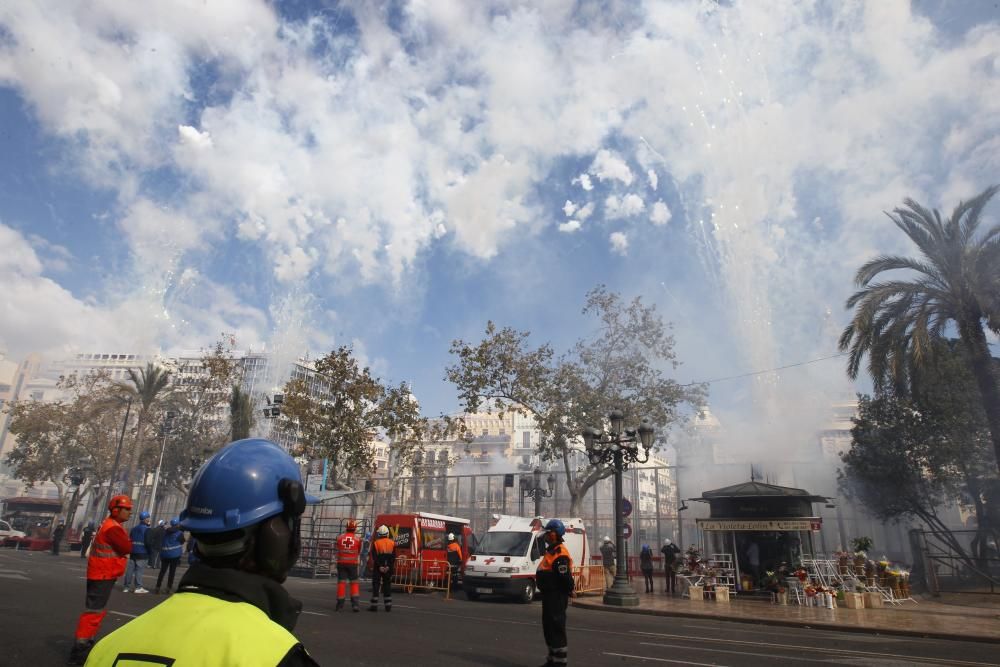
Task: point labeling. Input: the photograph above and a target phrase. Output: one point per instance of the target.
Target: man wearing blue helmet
(244, 509)
(554, 578)
(139, 556)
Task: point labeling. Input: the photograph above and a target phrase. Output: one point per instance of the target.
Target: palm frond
(883, 263)
(967, 215)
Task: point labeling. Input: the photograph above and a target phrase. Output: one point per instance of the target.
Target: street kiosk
(754, 527)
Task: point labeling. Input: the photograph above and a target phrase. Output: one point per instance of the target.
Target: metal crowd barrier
(588, 579)
(412, 574)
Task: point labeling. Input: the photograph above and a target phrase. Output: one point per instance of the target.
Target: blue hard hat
(174, 521)
(143, 516)
(557, 526)
(239, 487)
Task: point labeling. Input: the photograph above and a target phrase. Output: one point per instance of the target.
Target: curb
(790, 623)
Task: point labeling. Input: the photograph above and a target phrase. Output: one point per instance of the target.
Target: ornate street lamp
(619, 448)
(535, 490)
(75, 477)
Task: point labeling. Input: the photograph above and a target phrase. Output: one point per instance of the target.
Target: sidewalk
(926, 618)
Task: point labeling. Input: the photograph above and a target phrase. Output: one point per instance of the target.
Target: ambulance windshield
(503, 543)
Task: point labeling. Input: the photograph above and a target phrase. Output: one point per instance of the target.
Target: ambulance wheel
(471, 595)
(527, 593)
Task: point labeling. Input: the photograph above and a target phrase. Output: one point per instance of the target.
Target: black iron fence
(943, 568)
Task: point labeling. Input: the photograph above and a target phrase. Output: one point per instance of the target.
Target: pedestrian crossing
(13, 574)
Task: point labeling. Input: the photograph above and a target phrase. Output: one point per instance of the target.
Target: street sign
(628, 531)
(626, 507)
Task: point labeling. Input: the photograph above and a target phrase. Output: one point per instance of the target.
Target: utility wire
(770, 370)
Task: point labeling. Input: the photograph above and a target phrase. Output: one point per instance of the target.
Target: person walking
(154, 542)
(554, 579)
(137, 559)
(646, 566)
(87, 538)
(454, 560)
(57, 536)
(170, 555)
(670, 553)
(608, 560)
(348, 555)
(383, 562)
(105, 564)
(244, 509)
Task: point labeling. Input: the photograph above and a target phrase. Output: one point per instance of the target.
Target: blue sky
(393, 175)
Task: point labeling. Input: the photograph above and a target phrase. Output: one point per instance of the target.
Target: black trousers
(554, 619)
(381, 582)
(648, 576)
(167, 564)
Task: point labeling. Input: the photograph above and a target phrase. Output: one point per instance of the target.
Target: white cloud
(619, 243)
(625, 207)
(653, 178)
(584, 181)
(608, 165)
(190, 136)
(585, 211)
(569, 226)
(569, 208)
(660, 215)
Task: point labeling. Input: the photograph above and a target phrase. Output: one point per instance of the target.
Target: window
(526, 440)
(537, 549)
(432, 539)
(486, 431)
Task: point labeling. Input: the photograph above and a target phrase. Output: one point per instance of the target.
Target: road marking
(313, 613)
(121, 613)
(19, 577)
(676, 662)
(797, 658)
(844, 651)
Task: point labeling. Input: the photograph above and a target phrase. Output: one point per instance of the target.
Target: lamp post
(118, 455)
(535, 490)
(168, 425)
(76, 476)
(619, 447)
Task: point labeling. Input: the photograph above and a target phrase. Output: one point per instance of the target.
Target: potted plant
(861, 546)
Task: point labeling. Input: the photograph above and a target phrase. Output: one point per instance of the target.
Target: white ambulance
(505, 561)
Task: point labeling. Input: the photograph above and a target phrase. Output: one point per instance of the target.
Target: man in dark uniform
(555, 580)
(57, 536)
(384, 560)
(88, 537)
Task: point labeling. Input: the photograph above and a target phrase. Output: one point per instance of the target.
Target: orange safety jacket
(109, 551)
(551, 556)
(454, 553)
(384, 545)
(348, 549)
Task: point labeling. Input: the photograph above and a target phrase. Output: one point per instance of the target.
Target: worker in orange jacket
(384, 560)
(348, 558)
(108, 558)
(455, 559)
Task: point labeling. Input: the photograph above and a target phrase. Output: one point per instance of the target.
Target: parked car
(6, 531)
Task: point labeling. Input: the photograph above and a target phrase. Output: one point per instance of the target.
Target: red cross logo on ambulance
(490, 561)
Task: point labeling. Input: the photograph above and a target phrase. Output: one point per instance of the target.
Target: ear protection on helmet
(279, 541)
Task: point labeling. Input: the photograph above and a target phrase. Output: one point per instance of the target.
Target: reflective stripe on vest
(195, 629)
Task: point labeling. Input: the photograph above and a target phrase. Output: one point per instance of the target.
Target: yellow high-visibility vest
(195, 630)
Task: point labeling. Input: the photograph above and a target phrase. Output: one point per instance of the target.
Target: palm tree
(955, 281)
(148, 386)
(240, 414)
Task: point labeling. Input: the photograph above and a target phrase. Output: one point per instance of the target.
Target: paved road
(40, 596)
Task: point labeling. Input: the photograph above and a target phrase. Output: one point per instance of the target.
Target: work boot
(156, 591)
(372, 607)
(340, 605)
(388, 607)
(81, 649)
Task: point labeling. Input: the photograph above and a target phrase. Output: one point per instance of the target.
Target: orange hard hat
(352, 526)
(120, 502)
